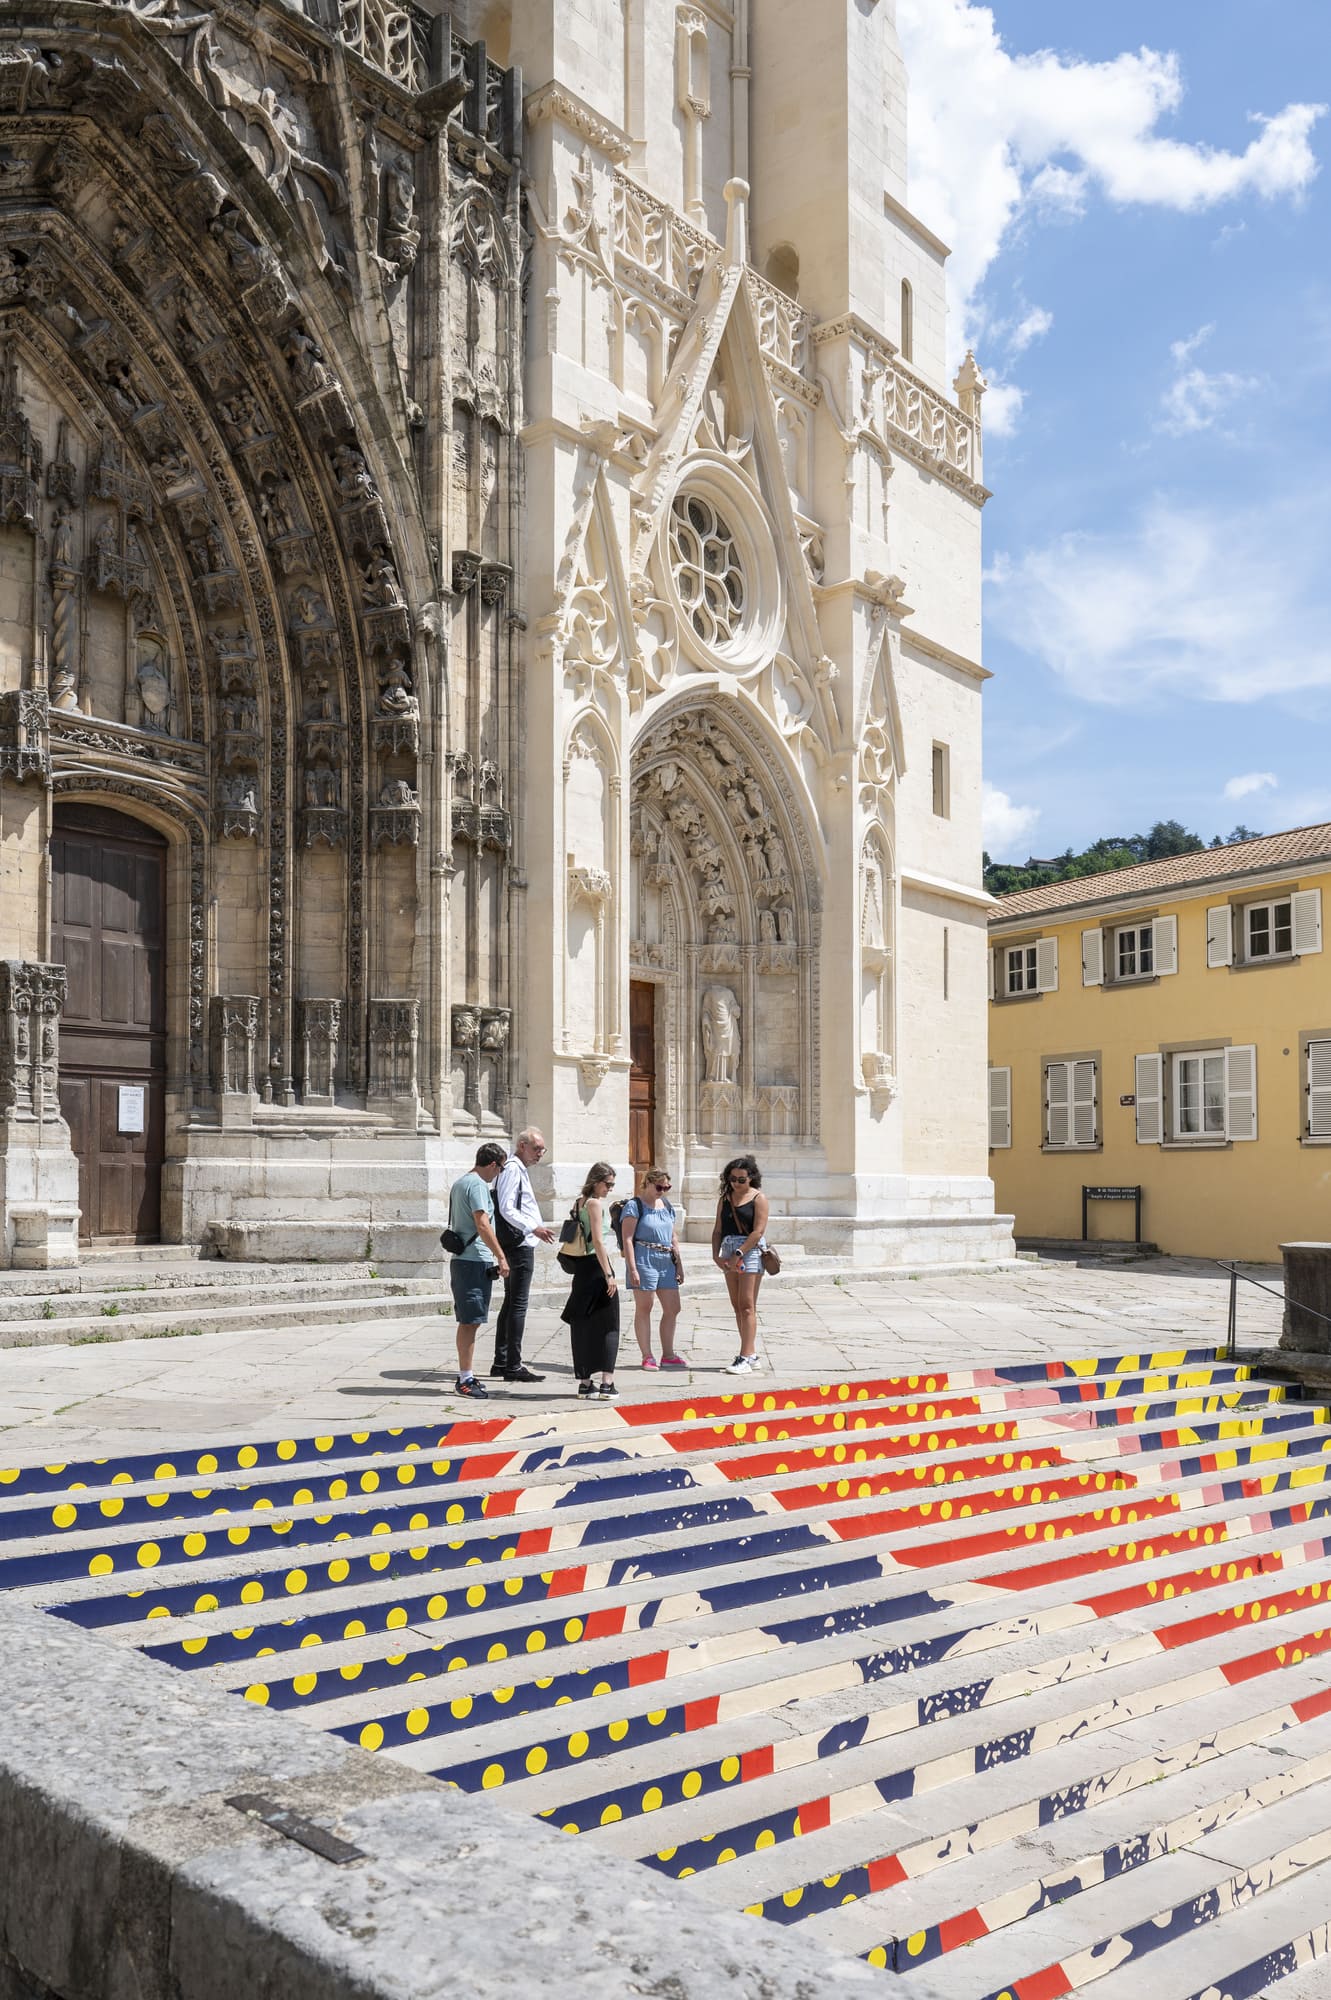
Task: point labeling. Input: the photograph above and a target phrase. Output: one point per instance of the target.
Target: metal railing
(1232, 1323)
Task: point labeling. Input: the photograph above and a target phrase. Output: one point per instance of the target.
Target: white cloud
(1214, 603)
(995, 136)
(1033, 326)
(1195, 400)
(1002, 407)
(1006, 827)
(1250, 782)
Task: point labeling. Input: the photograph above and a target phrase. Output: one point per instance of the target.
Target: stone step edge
(273, 1318)
(136, 1303)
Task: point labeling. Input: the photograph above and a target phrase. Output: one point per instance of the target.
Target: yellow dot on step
(492, 1776)
(537, 1759)
(111, 1508)
(437, 1607)
(535, 1642)
(305, 1683)
(405, 1474)
(258, 1694)
(286, 1449)
(205, 1603)
(573, 1630)
(617, 1731)
(877, 1957)
(578, 1743)
(296, 1581)
(653, 1799)
(100, 1566)
(371, 1736)
(64, 1516)
(729, 1769)
(418, 1721)
(767, 1838)
(476, 1595)
(208, 1462)
(246, 1457)
(916, 1942)
(148, 1555)
(610, 1815)
(792, 1898)
(691, 1784)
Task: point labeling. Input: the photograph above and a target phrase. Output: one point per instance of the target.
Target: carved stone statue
(395, 695)
(720, 1035)
(305, 359)
(397, 792)
(153, 683)
(381, 588)
(353, 474)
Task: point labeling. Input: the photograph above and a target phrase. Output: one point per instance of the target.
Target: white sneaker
(743, 1364)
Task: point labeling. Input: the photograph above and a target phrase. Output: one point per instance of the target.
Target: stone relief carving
(720, 1034)
(31, 998)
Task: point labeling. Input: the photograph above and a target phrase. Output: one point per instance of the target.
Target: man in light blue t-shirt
(473, 1270)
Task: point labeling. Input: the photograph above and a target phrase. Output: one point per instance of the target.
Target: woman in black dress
(592, 1311)
(738, 1244)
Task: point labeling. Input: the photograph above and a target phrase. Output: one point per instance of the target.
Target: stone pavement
(68, 1401)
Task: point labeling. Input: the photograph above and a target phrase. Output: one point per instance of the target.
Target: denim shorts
(753, 1260)
(472, 1284)
(656, 1270)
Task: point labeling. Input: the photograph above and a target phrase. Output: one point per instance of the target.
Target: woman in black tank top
(738, 1242)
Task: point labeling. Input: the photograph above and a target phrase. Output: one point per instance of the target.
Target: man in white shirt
(519, 1226)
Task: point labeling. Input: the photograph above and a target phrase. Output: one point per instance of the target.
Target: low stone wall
(124, 1874)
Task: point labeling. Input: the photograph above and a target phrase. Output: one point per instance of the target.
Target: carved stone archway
(725, 919)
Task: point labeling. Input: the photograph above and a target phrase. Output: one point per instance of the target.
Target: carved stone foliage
(25, 736)
(31, 998)
(394, 1032)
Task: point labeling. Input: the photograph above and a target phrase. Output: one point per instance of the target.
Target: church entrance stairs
(1021, 1674)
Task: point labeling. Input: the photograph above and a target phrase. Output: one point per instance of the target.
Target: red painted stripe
(605, 1624)
(819, 1458)
(823, 1395)
(1046, 1985)
(650, 1667)
(954, 1932)
(487, 1465)
(567, 1583)
(885, 1873)
(533, 1541)
(815, 1815)
(1206, 1627)
(1292, 1654)
(702, 1714)
(1086, 1562)
(474, 1433)
(758, 1763)
(1183, 1584)
(1313, 1705)
(967, 1546)
(501, 1503)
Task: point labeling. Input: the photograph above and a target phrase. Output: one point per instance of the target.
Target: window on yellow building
(1136, 951)
(1030, 968)
(1197, 1096)
(1000, 1107)
(1318, 1121)
(1270, 930)
(1071, 1103)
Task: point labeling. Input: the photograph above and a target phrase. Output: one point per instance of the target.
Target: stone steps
(1033, 1661)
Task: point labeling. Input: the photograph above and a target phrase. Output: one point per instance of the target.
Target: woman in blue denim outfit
(738, 1243)
(654, 1266)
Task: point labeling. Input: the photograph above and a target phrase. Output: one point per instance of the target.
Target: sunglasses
(660, 1184)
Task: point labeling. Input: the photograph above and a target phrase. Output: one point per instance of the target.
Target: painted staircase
(1020, 1674)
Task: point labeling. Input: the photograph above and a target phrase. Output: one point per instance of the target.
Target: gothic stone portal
(724, 921)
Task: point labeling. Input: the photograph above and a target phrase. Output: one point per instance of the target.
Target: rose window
(708, 574)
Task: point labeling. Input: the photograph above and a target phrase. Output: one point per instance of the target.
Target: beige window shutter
(1149, 1085)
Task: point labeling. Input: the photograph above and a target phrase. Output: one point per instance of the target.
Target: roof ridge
(1199, 864)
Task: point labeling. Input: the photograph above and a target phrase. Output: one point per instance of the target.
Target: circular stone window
(708, 573)
(718, 551)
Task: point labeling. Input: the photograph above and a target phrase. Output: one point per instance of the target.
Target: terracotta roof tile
(1214, 864)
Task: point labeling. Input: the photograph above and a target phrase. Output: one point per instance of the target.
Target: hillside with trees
(1103, 857)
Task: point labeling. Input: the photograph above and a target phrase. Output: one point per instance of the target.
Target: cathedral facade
(489, 623)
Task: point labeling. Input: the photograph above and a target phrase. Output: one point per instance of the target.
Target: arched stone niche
(724, 914)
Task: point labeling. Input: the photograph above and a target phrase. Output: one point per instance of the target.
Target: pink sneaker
(673, 1361)
(649, 1361)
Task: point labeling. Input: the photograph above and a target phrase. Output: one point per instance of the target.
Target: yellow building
(1168, 1027)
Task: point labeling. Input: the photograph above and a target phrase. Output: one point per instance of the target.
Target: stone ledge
(124, 1873)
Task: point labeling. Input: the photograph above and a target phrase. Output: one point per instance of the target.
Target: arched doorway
(108, 929)
(724, 931)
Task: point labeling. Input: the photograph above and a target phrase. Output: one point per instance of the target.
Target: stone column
(320, 1030)
(1307, 1327)
(234, 1036)
(39, 1174)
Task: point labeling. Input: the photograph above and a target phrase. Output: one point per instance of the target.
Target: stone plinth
(1307, 1328)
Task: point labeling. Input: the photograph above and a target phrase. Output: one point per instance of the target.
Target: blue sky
(1137, 197)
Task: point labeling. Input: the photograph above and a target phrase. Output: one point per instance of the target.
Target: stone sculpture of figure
(62, 538)
(308, 608)
(381, 588)
(397, 792)
(241, 792)
(494, 1031)
(247, 259)
(154, 687)
(305, 359)
(464, 1027)
(395, 695)
(720, 1034)
(766, 927)
(311, 787)
(274, 509)
(321, 702)
(353, 474)
(242, 412)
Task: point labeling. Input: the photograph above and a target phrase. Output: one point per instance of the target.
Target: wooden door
(108, 928)
(642, 1075)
